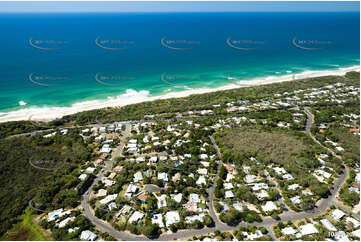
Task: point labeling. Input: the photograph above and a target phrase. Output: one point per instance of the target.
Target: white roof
(65, 221)
(337, 214)
(172, 217)
(202, 171)
(158, 219)
(135, 217)
(289, 231)
(201, 180)
(191, 219)
(228, 186)
(354, 222)
(308, 229)
(163, 176)
(82, 177)
(229, 194)
(108, 199)
(138, 176)
(90, 169)
(293, 187)
(88, 235)
(269, 206)
(194, 197)
(328, 225)
(177, 197)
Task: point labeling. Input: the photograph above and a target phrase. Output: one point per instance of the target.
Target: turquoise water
(59, 60)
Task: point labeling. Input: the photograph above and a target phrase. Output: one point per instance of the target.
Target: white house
(158, 219)
(328, 225)
(88, 235)
(337, 214)
(269, 206)
(172, 217)
(308, 229)
(135, 217)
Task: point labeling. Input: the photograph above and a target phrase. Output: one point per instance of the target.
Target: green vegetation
(26, 229)
(22, 178)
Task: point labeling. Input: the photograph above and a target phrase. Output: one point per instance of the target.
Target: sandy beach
(132, 97)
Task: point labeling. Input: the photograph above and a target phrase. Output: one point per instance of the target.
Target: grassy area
(27, 229)
(275, 146)
(349, 141)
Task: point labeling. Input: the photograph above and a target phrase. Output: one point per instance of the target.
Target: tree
(208, 221)
(151, 230)
(222, 172)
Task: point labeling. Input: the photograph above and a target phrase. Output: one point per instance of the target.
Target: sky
(87, 7)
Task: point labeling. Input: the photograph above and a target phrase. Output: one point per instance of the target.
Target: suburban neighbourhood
(204, 175)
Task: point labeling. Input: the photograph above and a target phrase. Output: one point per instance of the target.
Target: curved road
(267, 222)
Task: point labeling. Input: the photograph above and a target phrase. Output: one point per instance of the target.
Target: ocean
(65, 60)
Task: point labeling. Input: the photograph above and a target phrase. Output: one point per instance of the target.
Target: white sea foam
(46, 113)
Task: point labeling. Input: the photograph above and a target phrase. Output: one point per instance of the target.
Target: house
(108, 199)
(90, 170)
(203, 156)
(101, 193)
(88, 235)
(201, 180)
(262, 195)
(288, 177)
(158, 219)
(238, 206)
(353, 221)
(228, 186)
(112, 175)
(279, 170)
(140, 159)
(328, 225)
(163, 176)
(177, 197)
(229, 177)
(136, 216)
(98, 162)
(130, 190)
(289, 231)
(142, 197)
(105, 149)
(82, 177)
(259, 186)
(172, 217)
(162, 201)
(257, 234)
(54, 215)
(337, 214)
(251, 178)
(295, 200)
(194, 197)
(308, 229)
(112, 206)
(202, 171)
(293, 187)
(269, 206)
(192, 219)
(138, 177)
(153, 159)
(229, 194)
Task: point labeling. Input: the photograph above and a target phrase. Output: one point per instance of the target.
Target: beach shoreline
(134, 97)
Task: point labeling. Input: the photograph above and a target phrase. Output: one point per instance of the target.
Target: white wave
(132, 96)
(22, 103)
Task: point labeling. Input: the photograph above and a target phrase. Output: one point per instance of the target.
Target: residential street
(268, 222)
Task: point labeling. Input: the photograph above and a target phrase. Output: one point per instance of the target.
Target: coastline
(133, 97)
